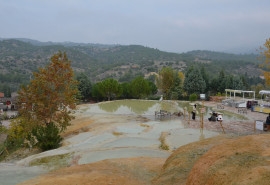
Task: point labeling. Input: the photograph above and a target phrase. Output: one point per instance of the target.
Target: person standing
(193, 115)
(194, 112)
(267, 122)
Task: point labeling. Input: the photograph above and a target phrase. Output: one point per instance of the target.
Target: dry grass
(115, 133)
(162, 139)
(144, 125)
(178, 166)
(244, 160)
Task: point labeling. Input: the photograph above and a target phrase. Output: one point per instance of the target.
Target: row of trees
(171, 83)
(111, 89)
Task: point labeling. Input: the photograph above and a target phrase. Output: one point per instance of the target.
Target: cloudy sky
(168, 25)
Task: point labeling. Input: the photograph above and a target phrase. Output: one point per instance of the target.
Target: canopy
(249, 92)
(262, 92)
(239, 92)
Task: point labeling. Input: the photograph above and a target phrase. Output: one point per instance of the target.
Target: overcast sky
(168, 25)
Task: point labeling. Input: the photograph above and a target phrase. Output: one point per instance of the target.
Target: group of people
(215, 117)
(218, 117)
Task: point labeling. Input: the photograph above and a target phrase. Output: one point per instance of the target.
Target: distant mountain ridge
(49, 43)
(239, 50)
(20, 57)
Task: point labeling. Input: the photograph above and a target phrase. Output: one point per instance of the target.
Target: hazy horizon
(171, 25)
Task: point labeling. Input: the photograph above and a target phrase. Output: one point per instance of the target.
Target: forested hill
(20, 57)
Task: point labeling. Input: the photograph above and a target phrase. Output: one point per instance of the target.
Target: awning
(264, 92)
(239, 92)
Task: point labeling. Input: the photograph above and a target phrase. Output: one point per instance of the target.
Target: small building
(2, 95)
(9, 103)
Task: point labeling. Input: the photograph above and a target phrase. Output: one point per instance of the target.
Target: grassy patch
(53, 162)
(144, 125)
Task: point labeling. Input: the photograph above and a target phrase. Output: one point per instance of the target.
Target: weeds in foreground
(115, 133)
(162, 139)
(53, 162)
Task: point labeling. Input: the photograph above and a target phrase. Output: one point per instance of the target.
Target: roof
(239, 91)
(264, 92)
(231, 90)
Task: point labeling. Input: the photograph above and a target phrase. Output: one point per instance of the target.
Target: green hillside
(20, 57)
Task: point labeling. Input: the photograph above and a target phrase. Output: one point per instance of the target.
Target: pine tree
(194, 82)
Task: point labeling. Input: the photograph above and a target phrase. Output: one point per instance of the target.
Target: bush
(15, 135)
(4, 116)
(193, 97)
(48, 136)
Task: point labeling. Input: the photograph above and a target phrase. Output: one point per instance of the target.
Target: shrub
(15, 135)
(193, 97)
(4, 116)
(48, 136)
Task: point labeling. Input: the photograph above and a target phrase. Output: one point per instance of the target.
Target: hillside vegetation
(20, 57)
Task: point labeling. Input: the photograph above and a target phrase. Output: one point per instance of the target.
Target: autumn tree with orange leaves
(51, 95)
(266, 65)
(45, 105)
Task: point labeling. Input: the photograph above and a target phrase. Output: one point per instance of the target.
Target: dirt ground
(241, 156)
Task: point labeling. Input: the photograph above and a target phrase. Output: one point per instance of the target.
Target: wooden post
(203, 111)
(255, 126)
(202, 120)
(220, 122)
(202, 135)
(185, 113)
(188, 117)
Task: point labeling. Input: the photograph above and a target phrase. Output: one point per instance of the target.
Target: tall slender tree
(221, 86)
(84, 86)
(194, 82)
(266, 65)
(205, 77)
(165, 80)
(51, 94)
